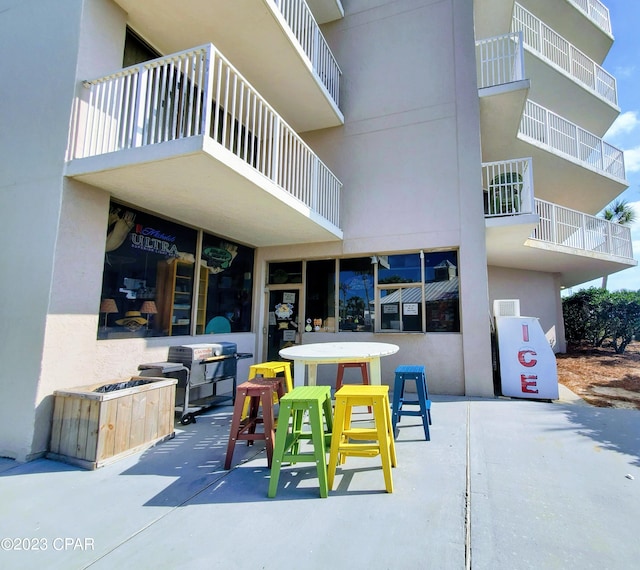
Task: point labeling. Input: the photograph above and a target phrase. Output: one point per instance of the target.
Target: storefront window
(320, 296)
(150, 279)
(400, 307)
(356, 294)
(224, 295)
(441, 291)
(285, 272)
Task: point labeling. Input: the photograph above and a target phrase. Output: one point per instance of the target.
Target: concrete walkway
(503, 484)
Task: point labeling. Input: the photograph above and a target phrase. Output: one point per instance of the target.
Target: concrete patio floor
(503, 484)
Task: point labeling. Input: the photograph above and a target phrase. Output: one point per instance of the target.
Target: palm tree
(618, 212)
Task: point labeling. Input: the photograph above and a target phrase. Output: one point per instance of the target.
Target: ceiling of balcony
(326, 10)
(493, 18)
(508, 246)
(253, 36)
(567, 97)
(200, 183)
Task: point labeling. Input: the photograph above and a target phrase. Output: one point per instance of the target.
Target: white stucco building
(380, 170)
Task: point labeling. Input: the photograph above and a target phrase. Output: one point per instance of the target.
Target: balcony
(509, 207)
(572, 164)
(525, 232)
(571, 229)
(584, 23)
(503, 87)
(566, 80)
(276, 44)
(187, 136)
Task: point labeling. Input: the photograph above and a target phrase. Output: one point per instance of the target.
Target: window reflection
(356, 300)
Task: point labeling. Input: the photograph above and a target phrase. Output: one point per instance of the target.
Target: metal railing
(549, 129)
(596, 11)
(555, 49)
(500, 60)
(508, 187)
(305, 28)
(198, 92)
(570, 228)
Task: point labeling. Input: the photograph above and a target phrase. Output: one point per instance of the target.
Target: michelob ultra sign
(527, 362)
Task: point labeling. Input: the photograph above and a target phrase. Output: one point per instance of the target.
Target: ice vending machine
(527, 361)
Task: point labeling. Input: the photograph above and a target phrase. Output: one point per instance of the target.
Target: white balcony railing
(198, 92)
(549, 129)
(508, 187)
(596, 11)
(560, 53)
(305, 28)
(566, 227)
(500, 60)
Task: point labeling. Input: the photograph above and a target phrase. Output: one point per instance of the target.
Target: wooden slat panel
(138, 413)
(151, 418)
(123, 424)
(107, 430)
(58, 421)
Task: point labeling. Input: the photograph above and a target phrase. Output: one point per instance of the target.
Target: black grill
(202, 371)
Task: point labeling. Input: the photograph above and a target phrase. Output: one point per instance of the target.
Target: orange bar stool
(270, 370)
(363, 369)
(314, 404)
(347, 440)
(259, 393)
(421, 398)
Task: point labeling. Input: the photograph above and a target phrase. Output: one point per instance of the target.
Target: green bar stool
(315, 402)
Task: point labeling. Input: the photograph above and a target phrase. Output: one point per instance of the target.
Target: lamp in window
(108, 306)
(149, 308)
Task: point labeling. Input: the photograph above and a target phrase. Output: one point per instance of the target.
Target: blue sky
(623, 61)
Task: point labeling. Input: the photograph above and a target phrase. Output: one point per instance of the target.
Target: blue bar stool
(418, 374)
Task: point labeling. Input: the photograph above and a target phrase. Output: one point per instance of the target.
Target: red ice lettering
(525, 357)
(528, 383)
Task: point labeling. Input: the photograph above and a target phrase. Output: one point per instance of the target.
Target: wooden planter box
(92, 429)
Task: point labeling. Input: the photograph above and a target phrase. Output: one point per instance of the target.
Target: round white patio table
(310, 355)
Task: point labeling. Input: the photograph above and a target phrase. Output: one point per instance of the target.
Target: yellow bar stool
(347, 440)
(269, 370)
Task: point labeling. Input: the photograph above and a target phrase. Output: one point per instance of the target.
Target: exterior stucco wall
(409, 158)
(539, 295)
(36, 98)
(408, 155)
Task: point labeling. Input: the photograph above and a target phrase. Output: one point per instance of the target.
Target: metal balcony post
(275, 159)
(207, 100)
(139, 110)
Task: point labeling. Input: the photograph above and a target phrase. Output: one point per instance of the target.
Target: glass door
(283, 320)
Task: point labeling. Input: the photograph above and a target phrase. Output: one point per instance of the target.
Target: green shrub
(601, 318)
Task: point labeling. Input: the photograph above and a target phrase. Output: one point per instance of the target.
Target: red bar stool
(364, 370)
(260, 393)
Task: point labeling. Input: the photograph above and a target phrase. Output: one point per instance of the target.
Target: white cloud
(625, 71)
(632, 161)
(624, 124)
